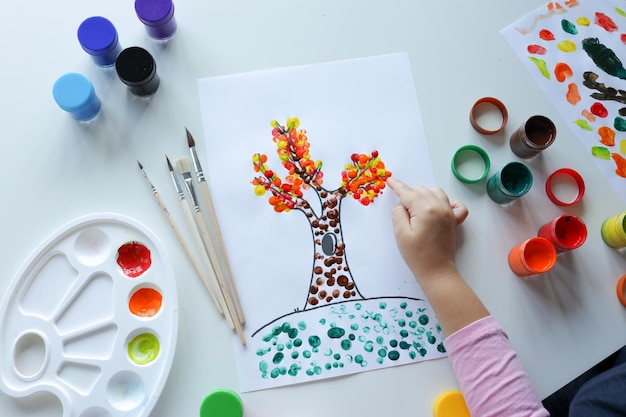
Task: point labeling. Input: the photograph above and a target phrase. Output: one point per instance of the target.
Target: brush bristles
(169, 164)
(190, 140)
(184, 165)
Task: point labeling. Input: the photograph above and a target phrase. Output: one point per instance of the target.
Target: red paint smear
(562, 71)
(546, 35)
(623, 37)
(599, 110)
(621, 164)
(605, 22)
(607, 136)
(536, 49)
(572, 95)
(134, 259)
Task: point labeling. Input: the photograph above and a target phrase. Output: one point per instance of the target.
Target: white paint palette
(92, 318)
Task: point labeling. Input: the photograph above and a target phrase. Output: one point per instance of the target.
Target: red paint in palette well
(134, 259)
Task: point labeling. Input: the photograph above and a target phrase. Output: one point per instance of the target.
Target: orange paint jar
(533, 256)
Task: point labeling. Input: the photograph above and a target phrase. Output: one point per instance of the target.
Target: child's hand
(424, 226)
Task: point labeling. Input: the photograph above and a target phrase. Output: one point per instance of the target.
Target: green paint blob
(404, 345)
(322, 321)
(382, 353)
(302, 325)
(380, 340)
(358, 306)
(292, 333)
(285, 327)
(369, 346)
(394, 355)
(569, 27)
(336, 332)
(412, 354)
(620, 124)
(278, 358)
(346, 344)
(263, 351)
(541, 66)
(280, 347)
(294, 369)
(403, 305)
(601, 152)
(393, 343)
(354, 326)
(315, 341)
(297, 342)
(275, 373)
(144, 348)
(583, 124)
(409, 314)
(276, 330)
(404, 333)
(263, 366)
(295, 354)
(306, 354)
(412, 324)
(328, 366)
(337, 356)
(382, 305)
(423, 319)
(358, 359)
(441, 348)
(352, 337)
(401, 322)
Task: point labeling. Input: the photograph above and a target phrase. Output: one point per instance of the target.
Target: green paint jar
(614, 231)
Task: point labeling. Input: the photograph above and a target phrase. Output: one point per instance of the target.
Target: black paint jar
(137, 69)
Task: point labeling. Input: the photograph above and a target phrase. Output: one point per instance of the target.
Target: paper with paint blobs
(298, 160)
(575, 50)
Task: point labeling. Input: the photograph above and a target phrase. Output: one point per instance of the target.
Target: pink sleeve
(490, 375)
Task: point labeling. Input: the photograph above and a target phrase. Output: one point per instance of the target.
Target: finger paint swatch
(574, 51)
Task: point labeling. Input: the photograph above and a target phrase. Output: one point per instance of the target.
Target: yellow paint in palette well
(144, 348)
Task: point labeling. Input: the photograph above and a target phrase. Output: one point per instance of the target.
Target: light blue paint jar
(98, 37)
(75, 94)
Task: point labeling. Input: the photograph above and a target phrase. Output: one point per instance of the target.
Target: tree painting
(363, 179)
(337, 330)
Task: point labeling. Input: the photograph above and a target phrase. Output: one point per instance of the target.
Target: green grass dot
(354, 327)
(336, 332)
(297, 342)
(315, 341)
(403, 305)
(382, 353)
(302, 325)
(295, 354)
(382, 305)
(393, 343)
(278, 358)
(306, 354)
(404, 333)
(394, 355)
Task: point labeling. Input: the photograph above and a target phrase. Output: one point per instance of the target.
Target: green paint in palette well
(352, 335)
(144, 348)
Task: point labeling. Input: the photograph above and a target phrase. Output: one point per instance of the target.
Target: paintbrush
(179, 235)
(184, 167)
(219, 301)
(208, 202)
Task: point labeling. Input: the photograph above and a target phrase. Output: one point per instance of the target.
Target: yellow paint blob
(622, 147)
(583, 21)
(567, 46)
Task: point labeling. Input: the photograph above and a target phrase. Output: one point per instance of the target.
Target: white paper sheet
(553, 38)
(346, 107)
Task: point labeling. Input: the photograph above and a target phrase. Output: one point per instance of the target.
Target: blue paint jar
(157, 17)
(75, 94)
(98, 37)
(511, 182)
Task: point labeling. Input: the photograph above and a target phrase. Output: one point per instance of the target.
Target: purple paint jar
(98, 37)
(158, 17)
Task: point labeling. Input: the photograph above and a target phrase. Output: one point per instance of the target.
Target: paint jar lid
(135, 66)
(462, 156)
(222, 403)
(75, 94)
(450, 404)
(97, 36)
(154, 12)
(476, 110)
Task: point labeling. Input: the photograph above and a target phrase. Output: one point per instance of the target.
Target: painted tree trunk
(331, 279)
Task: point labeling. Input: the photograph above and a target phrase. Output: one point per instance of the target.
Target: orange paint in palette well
(134, 259)
(145, 302)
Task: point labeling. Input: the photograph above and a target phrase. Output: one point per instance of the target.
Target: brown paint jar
(533, 136)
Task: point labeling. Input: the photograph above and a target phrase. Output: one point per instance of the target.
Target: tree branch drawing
(590, 80)
(363, 178)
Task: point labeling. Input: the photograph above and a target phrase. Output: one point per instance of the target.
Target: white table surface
(55, 170)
